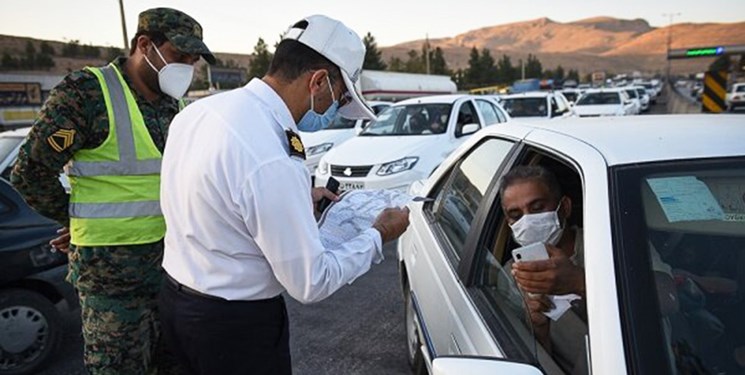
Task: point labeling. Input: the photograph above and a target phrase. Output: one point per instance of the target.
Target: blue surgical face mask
(312, 121)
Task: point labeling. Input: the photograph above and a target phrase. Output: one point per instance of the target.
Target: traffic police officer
(109, 126)
(241, 226)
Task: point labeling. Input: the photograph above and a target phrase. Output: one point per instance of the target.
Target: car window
(466, 115)
(457, 201)
(599, 98)
(526, 107)
(488, 111)
(501, 115)
(690, 231)
(411, 119)
(561, 103)
(561, 348)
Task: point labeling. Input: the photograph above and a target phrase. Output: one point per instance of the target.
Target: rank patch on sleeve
(61, 139)
(296, 145)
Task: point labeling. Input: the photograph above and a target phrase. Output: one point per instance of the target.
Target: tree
(533, 68)
(395, 64)
(47, 49)
(373, 56)
(559, 73)
(8, 62)
(260, 60)
(488, 71)
(471, 75)
(415, 63)
(506, 73)
(438, 65)
(29, 60)
(573, 74)
(71, 49)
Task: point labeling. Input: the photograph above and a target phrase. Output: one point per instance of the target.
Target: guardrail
(679, 102)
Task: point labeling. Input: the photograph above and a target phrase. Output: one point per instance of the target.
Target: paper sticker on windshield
(685, 199)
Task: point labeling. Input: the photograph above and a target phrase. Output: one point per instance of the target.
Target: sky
(235, 26)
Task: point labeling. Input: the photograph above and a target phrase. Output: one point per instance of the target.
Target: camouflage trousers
(118, 289)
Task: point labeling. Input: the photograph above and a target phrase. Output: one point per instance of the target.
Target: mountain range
(599, 43)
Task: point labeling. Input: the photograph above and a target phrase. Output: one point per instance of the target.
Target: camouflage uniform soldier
(108, 127)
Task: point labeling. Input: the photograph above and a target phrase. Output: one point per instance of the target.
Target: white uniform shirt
(238, 208)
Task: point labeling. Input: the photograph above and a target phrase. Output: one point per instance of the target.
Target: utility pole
(426, 51)
(669, 40)
(124, 25)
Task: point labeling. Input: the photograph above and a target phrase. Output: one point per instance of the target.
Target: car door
(434, 248)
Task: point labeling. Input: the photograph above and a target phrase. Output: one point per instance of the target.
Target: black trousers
(209, 335)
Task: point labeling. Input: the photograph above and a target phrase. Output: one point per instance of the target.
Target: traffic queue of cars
(657, 204)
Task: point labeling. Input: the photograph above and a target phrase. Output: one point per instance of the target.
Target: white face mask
(174, 78)
(542, 227)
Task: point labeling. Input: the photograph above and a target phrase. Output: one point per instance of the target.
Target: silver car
(660, 201)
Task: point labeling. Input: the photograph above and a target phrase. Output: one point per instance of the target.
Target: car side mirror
(468, 129)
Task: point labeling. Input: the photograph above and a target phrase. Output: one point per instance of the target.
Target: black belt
(185, 289)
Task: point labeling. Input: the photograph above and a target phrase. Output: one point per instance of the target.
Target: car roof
(639, 139)
(604, 89)
(529, 94)
(17, 133)
(435, 99)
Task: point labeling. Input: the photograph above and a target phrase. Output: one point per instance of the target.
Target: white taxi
(407, 141)
(660, 202)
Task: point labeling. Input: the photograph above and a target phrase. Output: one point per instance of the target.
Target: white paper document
(355, 212)
(685, 199)
(561, 305)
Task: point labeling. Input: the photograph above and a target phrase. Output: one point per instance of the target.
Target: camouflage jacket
(74, 117)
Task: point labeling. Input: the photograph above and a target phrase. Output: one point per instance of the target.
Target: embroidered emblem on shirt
(61, 139)
(296, 145)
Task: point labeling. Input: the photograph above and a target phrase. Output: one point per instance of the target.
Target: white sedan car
(604, 102)
(407, 141)
(660, 201)
(320, 142)
(537, 105)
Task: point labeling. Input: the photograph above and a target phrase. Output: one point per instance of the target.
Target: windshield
(412, 119)
(632, 93)
(341, 123)
(740, 88)
(599, 98)
(641, 91)
(525, 107)
(687, 219)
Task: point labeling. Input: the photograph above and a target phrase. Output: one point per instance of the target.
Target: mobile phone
(535, 251)
(333, 185)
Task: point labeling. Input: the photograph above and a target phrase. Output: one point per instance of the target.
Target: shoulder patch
(61, 139)
(296, 145)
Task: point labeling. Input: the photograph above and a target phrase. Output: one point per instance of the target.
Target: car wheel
(413, 345)
(30, 331)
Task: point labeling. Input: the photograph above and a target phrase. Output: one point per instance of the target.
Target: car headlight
(319, 149)
(323, 167)
(399, 165)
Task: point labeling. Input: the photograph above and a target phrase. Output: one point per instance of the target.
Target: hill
(598, 43)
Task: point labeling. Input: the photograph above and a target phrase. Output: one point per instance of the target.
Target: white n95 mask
(174, 79)
(543, 227)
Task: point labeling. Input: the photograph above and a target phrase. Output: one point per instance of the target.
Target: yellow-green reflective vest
(115, 196)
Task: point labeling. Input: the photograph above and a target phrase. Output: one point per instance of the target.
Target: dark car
(32, 283)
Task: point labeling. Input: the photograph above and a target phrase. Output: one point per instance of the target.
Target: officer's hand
(392, 222)
(319, 193)
(61, 243)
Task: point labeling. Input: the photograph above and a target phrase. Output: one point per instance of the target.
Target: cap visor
(192, 46)
(357, 109)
